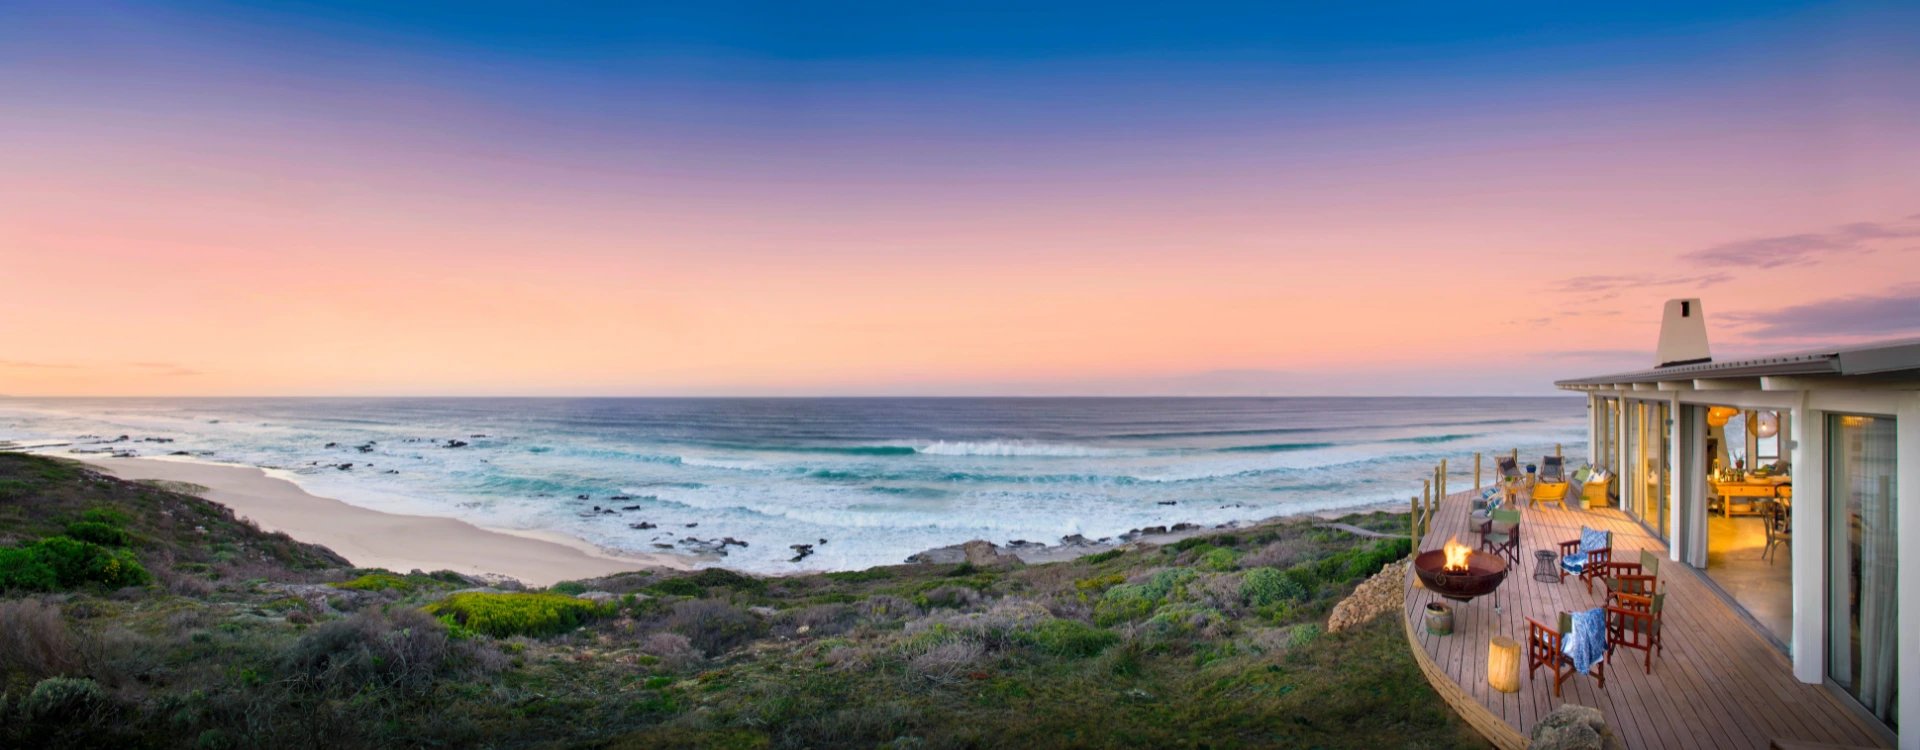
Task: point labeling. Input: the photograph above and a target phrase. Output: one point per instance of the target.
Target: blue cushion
(1490, 493)
(1591, 540)
(1574, 563)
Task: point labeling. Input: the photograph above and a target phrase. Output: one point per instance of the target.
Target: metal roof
(1878, 358)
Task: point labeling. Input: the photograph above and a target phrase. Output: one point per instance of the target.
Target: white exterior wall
(1809, 643)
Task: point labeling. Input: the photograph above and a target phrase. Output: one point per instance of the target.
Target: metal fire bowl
(1483, 574)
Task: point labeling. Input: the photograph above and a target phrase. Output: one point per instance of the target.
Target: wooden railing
(1434, 488)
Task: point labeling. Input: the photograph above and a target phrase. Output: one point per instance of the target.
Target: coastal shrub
(676, 587)
(1100, 557)
(60, 562)
(15, 489)
(1099, 583)
(570, 588)
(98, 533)
(1169, 583)
(859, 576)
(1068, 638)
(1122, 603)
(884, 608)
(63, 699)
(22, 569)
(727, 579)
(944, 662)
(713, 626)
(1220, 559)
(402, 651)
(950, 596)
(1265, 587)
(518, 613)
(1181, 620)
(35, 641)
(675, 651)
(379, 581)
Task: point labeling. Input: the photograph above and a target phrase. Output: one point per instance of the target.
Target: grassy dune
(231, 637)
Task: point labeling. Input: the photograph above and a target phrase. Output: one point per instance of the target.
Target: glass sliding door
(1648, 476)
(1863, 622)
(1607, 452)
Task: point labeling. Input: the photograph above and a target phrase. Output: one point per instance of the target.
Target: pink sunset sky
(223, 203)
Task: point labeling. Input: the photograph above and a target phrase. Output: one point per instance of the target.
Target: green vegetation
(240, 638)
(85, 555)
(509, 614)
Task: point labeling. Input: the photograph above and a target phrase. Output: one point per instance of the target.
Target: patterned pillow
(1591, 539)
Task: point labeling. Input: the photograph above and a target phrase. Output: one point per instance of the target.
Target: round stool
(1546, 567)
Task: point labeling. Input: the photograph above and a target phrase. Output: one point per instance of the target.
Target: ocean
(876, 479)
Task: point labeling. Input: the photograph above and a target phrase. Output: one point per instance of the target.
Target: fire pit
(1459, 573)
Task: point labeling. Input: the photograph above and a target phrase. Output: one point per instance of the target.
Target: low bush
(64, 699)
(35, 642)
(727, 579)
(380, 581)
(860, 576)
(1220, 559)
(713, 626)
(676, 587)
(1264, 587)
(1100, 557)
(98, 533)
(403, 651)
(570, 588)
(1099, 583)
(519, 613)
(1069, 638)
(60, 562)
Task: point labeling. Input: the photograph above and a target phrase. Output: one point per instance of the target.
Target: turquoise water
(878, 479)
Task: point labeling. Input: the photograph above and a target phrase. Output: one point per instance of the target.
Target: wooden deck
(1719, 684)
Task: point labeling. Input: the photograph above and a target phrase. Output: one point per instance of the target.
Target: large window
(1647, 471)
(1607, 433)
(1863, 620)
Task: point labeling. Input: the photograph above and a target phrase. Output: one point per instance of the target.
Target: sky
(494, 198)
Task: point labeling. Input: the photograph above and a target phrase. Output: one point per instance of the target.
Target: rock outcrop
(1573, 727)
(1384, 592)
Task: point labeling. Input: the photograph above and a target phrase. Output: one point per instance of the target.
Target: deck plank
(1718, 683)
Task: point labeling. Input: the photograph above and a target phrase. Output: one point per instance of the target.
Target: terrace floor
(1719, 683)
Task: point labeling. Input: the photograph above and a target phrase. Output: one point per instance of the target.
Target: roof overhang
(1880, 365)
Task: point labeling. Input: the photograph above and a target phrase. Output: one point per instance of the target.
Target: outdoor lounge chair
(1550, 486)
(1586, 561)
(1637, 578)
(1633, 621)
(1501, 534)
(1546, 648)
(1507, 467)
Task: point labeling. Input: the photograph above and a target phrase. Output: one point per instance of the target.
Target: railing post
(1426, 502)
(1556, 450)
(1413, 521)
(1443, 477)
(1476, 471)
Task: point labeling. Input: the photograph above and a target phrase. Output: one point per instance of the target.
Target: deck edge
(1494, 729)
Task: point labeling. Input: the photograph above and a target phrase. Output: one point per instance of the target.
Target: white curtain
(1872, 485)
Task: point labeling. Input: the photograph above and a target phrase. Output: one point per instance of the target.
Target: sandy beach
(373, 539)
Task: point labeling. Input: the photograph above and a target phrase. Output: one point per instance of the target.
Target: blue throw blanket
(1586, 644)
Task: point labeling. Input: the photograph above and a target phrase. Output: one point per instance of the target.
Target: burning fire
(1457, 555)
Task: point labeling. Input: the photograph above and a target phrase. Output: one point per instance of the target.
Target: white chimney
(1683, 334)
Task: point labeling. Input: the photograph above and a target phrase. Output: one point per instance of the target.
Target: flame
(1457, 555)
